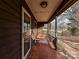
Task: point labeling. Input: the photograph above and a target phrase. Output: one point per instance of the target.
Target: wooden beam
(28, 10)
(64, 6)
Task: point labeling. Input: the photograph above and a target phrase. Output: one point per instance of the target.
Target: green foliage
(74, 31)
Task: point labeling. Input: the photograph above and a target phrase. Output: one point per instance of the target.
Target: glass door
(26, 33)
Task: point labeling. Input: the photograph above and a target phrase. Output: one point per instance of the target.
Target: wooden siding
(10, 31)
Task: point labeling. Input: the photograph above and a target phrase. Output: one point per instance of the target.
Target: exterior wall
(10, 29)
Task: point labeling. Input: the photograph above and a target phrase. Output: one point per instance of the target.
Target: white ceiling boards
(43, 14)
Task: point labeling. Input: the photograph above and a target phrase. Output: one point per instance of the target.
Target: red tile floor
(42, 51)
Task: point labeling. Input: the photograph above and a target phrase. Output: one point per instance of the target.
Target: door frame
(25, 12)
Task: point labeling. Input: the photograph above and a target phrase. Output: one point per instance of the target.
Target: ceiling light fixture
(44, 4)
